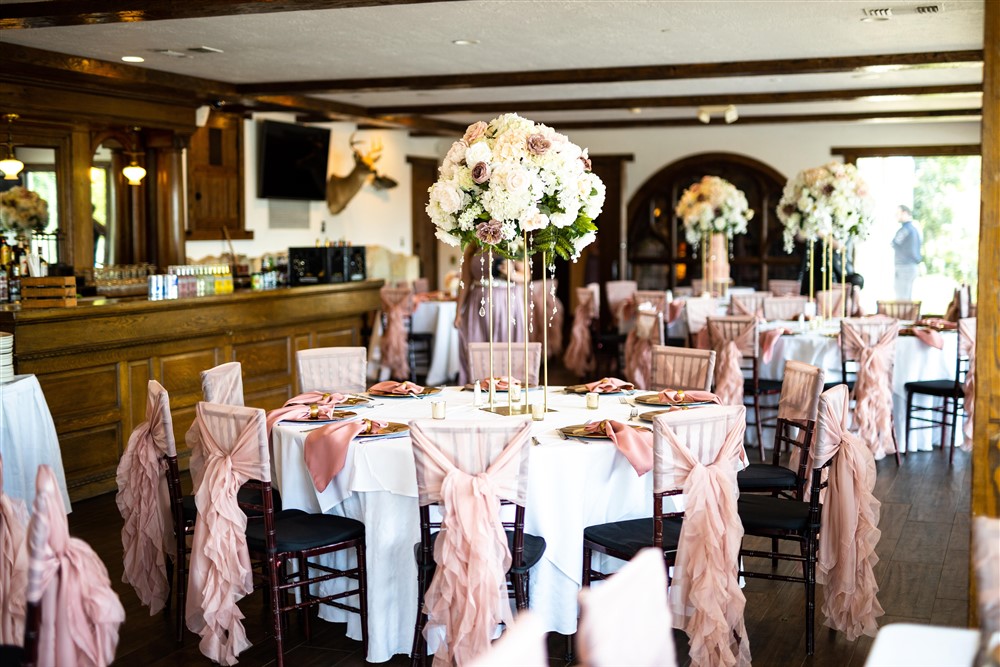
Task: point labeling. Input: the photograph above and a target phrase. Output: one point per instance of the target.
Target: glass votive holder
(537, 412)
(593, 400)
(515, 393)
(438, 409)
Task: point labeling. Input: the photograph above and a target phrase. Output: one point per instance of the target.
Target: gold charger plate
(428, 391)
(352, 401)
(341, 416)
(580, 431)
(654, 399)
(392, 428)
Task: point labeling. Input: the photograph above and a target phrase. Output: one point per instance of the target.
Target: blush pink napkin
(607, 385)
(317, 397)
(144, 502)
(391, 387)
(740, 308)
(930, 337)
(872, 390)
(676, 397)
(579, 356)
(705, 597)
(634, 444)
(395, 350)
(325, 449)
(503, 383)
(967, 346)
(849, 523)
(81, 613)
(298, 411)
(13, 567)
(768, 339)
(674, 310)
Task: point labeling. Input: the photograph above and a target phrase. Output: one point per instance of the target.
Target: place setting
(406, 389)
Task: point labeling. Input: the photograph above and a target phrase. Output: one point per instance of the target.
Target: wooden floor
(922, 574)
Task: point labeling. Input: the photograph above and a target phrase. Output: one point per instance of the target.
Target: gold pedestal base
(511, 410)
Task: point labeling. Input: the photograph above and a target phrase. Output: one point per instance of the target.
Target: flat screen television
(292, 161)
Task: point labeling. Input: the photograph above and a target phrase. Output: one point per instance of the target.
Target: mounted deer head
(341, 189)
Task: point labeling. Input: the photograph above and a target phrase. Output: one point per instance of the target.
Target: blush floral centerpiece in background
(830, 202)
(517, 188)
(22, 211)
(713, 210)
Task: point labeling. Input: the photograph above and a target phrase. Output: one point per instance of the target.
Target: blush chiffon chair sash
(396, 304)
(222, 384)
(579, 357)
(728, 356)
(648, 331)
(81, 613)
(872, 389)
(468, 594)
(220, 573)
(967, 347)
(849, 522)
(144, 502)
(13, 566)
(705, 598)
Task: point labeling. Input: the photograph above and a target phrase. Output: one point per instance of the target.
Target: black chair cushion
(11, 655)
(534, 547)
(244, 495)
(835, 383)
(944, 388)
(767, 513)
(765, 477)
(296, 530)
(190, 509)
(628, 537)
(764, 386)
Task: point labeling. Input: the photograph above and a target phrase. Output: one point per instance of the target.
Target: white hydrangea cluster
(713, 206)
(831, 200)
(512, 176)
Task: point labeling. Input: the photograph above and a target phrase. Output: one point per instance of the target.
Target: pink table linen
(634, 444)
(325, 449)
(13, 566)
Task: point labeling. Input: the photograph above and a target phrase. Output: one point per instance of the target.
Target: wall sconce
(729, 113)
(10, 165)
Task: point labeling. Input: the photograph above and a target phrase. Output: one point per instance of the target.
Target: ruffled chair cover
(81, 613)
(469, 467)
(751, 305)
(700, 451)
(479, 361)
(785, 307)
(579, 357)
(13, 567)
(696, 314)
(234, 441)
(967, 347)
(986, 565)
(522, 644)
(144, 502)
(397, 304)
(332, 369)
(681, 368)
(872, 343)
(547, 311)
(648, 331)
(222, 384)
(732, 338)
(619, 293)
(850, 518)
(626, 620)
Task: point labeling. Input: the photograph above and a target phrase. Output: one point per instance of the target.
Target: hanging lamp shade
(134, 173)
(10, 165)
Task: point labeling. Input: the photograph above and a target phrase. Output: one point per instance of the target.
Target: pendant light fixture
(133, 172)
(10, 165)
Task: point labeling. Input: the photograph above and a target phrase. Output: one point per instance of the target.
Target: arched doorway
(661, 258)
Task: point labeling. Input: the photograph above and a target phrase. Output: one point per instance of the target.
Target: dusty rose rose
(489, 232)
(474, 132)
(535, 220)
(587, 166)
(481, 172)
(538, 144)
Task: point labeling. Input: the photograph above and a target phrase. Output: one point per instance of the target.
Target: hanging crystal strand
(461, 265)
(482, 283)
(731, 249)
(552, 292)
(531, 291)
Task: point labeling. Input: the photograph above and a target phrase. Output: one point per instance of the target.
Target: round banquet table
(571, 484)
(915, 361)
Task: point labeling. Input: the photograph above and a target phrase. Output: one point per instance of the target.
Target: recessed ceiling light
(635, 110)
(464, 42)
(133, 59)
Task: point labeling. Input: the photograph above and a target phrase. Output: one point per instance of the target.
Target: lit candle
(593, 400)
(438, 409)
(515, 393)
(537, 412)
(477, 396)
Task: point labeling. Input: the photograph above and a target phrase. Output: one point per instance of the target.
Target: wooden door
(423, 172)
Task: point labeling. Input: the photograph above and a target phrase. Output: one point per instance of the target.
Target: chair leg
(774, 549)
(519, 593)
(954, 427)
(363, 596)
(419, 642)
(181, 585)
(909, 411)
(811, 596)
(759, 427)
(304, 592)
(273, 567)
(895, 444)
(587, 556)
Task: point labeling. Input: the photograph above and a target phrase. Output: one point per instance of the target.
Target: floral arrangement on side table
(511, 178)
(831, 200)
(713, 205)
(22, 210)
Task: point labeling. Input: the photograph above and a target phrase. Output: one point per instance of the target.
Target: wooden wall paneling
(180, 373)
(90, 459)
(82, 398)
(267, 369)
(138, 374)
(342, 333)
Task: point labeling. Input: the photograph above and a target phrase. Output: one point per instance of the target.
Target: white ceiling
(523, 35)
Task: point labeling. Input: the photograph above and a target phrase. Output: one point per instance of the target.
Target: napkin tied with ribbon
(325, 449)
(393, 387)
(299, 411)
(680, 397)
(609, 385)
(635, 445)
(502, 383)
(317, 397)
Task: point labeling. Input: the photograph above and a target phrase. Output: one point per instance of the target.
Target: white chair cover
(626, 620)
(785, 307)
(696, 314)
(618, 293)
(784, 287)
(522, 644)
(13, 567)
(144, 502)
(829, 303)
(223, 385)
(681, 368)
(479, 361)
(700, 451)
(332, 369)
(751, 305)
(234, 441)
(81, 613)
(469, 467)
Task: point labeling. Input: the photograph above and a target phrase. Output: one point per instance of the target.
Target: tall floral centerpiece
(829, 203)
(22, 211)
(517, 188)
(713, 210)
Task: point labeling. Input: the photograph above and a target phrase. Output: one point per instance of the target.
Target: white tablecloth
(915, 360)
(27, 438)
(914, 645)
(571, 485)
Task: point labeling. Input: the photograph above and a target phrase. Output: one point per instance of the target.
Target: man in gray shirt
(906, 243)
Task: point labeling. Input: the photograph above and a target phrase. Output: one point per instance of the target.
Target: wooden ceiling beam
(614, 74)
(336, 111)
(22, 15)
(676, 101)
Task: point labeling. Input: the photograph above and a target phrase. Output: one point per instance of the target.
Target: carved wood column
(168, 206)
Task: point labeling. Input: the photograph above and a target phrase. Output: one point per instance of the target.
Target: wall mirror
(39, 175)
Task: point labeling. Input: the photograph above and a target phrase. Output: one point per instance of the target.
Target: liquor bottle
(43, 266)
(6, 254)
(14, 285)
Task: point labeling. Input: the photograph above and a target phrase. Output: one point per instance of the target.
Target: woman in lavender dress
(472, 316)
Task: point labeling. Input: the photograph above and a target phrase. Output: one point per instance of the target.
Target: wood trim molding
(852, 153)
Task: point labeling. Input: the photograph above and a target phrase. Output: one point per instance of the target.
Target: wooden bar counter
(94, 361)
